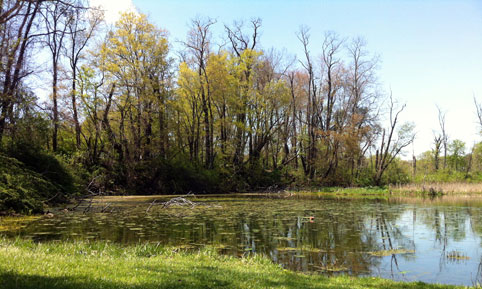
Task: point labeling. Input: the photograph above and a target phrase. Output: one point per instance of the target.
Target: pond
(406, 239)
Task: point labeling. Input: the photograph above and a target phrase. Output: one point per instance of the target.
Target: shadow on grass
(203, 277)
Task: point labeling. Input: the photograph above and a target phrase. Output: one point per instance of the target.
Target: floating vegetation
(285, 238)
(305, 249)
(343, 237)
(220, 246)
(136, 229)
(456, 255)
(331, 268)
(384, 253)
(287, 249)
(16, 223)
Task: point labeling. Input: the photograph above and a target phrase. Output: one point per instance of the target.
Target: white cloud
(113, 8)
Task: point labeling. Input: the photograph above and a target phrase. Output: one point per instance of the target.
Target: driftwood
(150, 206)
(180, 201)
(91, 194)
(86, 209)
(105, 208)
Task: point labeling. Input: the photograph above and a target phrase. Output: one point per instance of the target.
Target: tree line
(129, 111)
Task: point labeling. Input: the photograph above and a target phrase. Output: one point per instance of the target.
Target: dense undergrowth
(31, 178)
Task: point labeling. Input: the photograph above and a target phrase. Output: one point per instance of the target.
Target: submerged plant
(384, 253)
(456, 255)
(333, 267)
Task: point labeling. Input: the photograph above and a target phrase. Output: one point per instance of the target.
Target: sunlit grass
(24, 264)
(338, 192)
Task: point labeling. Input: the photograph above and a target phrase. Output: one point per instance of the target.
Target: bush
(159, 176)
(21, 189)
(31, 177)
(180, 176)
(49, 166)
(257, 177)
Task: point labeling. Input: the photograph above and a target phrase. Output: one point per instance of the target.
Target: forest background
(128, 114)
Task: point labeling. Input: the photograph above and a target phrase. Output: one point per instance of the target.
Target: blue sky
(430, 51)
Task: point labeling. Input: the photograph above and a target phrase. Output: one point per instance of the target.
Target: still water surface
(436, 241)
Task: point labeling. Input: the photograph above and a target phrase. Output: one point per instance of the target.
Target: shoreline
(79, 265)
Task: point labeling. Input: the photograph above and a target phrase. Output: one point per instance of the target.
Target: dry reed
(439, 188)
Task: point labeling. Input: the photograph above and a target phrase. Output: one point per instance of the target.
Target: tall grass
(439, 188)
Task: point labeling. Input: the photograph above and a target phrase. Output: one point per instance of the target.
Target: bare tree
(437, 140)
(362, 100)
(80, 30)
(57, 19)
(393, 141)
(199, 42)
(478, 109)
(445, 139)
(10, 9)
(331, 84)
(18, 30)
(240, 42)
(308, 161)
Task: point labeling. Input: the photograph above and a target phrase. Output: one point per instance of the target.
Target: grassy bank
(24, 264)
(339, 192)
(445, 188)
(413, 189)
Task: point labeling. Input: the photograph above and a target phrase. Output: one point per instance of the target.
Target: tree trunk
(74, 108)
(55, 108)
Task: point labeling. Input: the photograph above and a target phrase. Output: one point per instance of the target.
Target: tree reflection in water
(402, 238)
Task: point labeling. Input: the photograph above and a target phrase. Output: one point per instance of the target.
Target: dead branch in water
(90, 195)
(150, 206)
(179, 201)
(89, 206)
(105, 208)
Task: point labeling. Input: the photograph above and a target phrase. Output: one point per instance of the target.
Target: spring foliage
(131, 114)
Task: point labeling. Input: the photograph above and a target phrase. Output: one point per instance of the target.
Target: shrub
(49, 166)
(21, 189)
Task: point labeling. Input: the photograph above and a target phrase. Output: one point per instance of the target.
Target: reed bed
(438, 188)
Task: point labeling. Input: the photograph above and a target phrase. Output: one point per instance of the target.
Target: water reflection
(401, 238)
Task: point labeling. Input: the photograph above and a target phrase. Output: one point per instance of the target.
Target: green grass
(77, 265)
(353, 192)
(411, 189)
